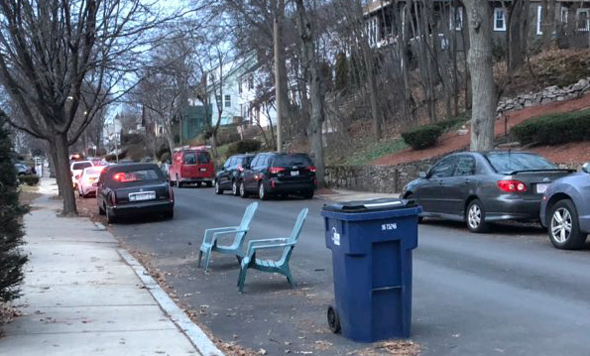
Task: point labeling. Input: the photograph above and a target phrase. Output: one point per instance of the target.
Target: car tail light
(275, 170)
(119, 176)
(113, 197)
(312, 169)
(512, 186)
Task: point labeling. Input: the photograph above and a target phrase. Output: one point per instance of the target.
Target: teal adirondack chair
(282, 265)
(210, 243)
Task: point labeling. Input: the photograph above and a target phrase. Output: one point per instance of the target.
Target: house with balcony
(244, 93)
(386, 20)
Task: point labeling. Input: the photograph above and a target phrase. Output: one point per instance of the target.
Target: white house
(246, 95)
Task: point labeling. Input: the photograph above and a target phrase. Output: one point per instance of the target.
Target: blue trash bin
(372, 243)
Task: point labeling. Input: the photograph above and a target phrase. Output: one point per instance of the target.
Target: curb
(194, 333)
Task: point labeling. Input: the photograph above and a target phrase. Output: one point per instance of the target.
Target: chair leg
(207, 259)
(199, 259)
(239, 258)
(242, 278)
(289, 276)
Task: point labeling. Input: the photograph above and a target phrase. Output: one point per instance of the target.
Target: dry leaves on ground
(397, 348)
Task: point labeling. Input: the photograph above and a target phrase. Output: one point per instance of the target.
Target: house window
(499, 19)
(228, 101)
(564, 12)
(539, 20)
(456, 19)
(250, 82)
(583, 19)
(240, 85)
(218, 99)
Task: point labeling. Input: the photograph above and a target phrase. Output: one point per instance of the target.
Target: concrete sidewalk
(81, 297)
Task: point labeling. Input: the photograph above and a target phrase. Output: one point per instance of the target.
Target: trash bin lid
(361, 206)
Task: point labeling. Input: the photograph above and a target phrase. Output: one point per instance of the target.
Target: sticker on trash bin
(385, 227)
(335, 237)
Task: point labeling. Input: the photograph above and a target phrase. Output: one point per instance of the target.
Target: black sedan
(482, 187)
(228, 177)
(134, 189)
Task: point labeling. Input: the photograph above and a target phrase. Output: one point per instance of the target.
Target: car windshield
(292, 160)
(506, 162)
(81, 165)
(137, 175)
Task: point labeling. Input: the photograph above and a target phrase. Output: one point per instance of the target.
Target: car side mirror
(422, 174)
(586, 167)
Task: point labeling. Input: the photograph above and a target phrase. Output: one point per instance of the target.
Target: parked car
(88, 180)
(76, 169)
(228, 177)
(134, 189)
(565, 210)
(271, 174)
(482, 187)
(191, 165)
(22, 169)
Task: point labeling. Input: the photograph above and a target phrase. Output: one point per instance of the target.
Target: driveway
(505, 293)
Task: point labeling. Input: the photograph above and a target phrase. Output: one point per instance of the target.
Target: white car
(88, 180)
(76, 169)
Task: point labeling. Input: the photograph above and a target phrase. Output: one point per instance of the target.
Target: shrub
(243, 146)
(554, 129)
(423, 136)
(12, 259)
(29, 179)
(165, 157)
(227, 135)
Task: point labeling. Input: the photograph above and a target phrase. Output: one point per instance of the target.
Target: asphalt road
(505, 293)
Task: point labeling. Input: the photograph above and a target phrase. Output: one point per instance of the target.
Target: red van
(191, 165)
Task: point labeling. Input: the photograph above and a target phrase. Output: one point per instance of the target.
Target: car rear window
(292, 160)
(197, 158)
(136, 176)
(506, 162)
(81, 165)
(93, 171)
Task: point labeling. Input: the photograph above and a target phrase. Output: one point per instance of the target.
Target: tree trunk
(485, 98)
(372, 87)
(316, 90)
(64, 176)
(517, 32)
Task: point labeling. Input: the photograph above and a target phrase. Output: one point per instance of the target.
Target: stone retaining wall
(376, 178)
(547, 95)
(384, 179)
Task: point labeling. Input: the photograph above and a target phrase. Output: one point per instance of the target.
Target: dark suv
(278, 174)
(228, 177)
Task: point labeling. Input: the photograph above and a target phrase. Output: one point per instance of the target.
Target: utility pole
(277, 52)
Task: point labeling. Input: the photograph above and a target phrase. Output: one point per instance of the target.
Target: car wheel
(308, 195)
(101, 210)
(475, 217)
(243, 192)
(110, 217)
(178, 182)
(564, 228)
(262, 195)
(209, 184)
(234, 188)
(218, 189)
(80, 193)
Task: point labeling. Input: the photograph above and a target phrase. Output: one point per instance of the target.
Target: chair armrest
(253, 248)
(221, 233)
(267, 241)
(209, 233)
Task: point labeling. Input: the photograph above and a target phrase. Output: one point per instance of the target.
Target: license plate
(203, 169)
(294, 173)
(142, 196)
(541, 188)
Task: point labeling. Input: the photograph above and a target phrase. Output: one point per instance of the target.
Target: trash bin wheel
(333, 320)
